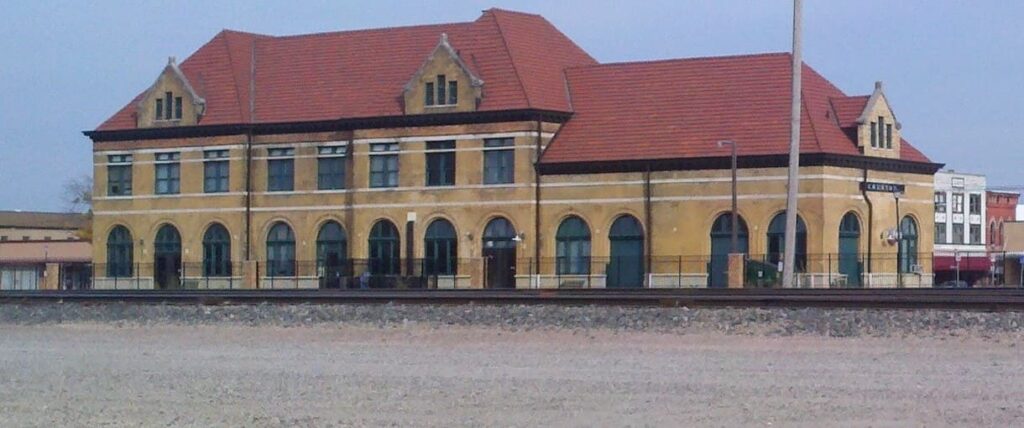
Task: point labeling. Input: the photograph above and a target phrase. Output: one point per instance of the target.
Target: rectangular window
(168, 98)
(441, 163)
(888, 135)
(453, 92)
(280, 170)
(940, 233)
(874, 135)
(159, 108)
(168, 173)
(940, 202)
(881, 132)
(119, 175)
(215, 171)
(976, 234)
(440, 89)
(177, 108)
(499, 160)
(958, 203)
(428, 92)
(384, 165)
(958, 233)
(975, 200)
(331, 168)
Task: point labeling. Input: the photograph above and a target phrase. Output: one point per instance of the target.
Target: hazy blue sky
(953, 70)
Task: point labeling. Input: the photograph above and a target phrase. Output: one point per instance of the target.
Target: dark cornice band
(439, 119)
(743, 162)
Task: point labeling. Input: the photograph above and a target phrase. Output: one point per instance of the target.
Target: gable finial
(171, 60)
(878, 85)
(444, 38)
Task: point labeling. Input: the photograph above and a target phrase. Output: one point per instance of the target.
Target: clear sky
(953, 70)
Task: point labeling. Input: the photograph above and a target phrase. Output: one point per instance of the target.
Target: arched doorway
(777, 242)
(499, 251)
(908, 245)
(440, 249)
(167, 258)
(626, 265)
(849, 249)
(216, 251)
(721, 246)
(331, 254)
(384, 258)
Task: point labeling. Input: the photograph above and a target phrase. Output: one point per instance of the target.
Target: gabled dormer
(170, 101)
(443, 84)
(878, 131)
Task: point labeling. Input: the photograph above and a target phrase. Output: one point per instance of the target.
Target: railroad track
(985, 299)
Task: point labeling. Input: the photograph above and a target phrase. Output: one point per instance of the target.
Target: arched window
(440, 249)
(777, 241)
(216, 251)
(849, 249)
(119, 252)
(384, 258)
(573, 247)
(721, 247)
(331, 245)
(281, 250)
(499, 233)
(908, 244)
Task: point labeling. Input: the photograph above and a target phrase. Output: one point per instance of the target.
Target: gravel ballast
(682, 320)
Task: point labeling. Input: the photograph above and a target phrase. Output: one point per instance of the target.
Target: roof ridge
(670, 60)
(368, 30)
(810, 117)
(511, 58)
(516, 12)
(244, 33)
(242, 112)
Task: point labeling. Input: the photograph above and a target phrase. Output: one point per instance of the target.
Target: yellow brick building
(492, 153)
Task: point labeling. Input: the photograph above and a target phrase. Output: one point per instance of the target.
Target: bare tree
(78, 194)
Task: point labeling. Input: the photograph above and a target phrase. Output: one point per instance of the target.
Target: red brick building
(1002, 208)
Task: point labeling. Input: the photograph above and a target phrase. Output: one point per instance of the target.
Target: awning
(973, 263)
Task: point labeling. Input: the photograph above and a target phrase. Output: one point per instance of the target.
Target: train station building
(495, 153)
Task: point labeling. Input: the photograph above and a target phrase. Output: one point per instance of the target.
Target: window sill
(439, 106)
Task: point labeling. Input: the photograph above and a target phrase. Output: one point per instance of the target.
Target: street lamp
(735, 217)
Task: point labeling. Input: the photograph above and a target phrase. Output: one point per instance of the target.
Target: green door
(849, 246)
(626, 265)
(721, 246)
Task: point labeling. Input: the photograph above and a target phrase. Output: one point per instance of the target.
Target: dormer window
(442, 92)
(168, 107)
(881, 134)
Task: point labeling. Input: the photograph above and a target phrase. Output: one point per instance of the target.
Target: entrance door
(167, 258)
(499, 251)
(626, 266)
(849, 246)
(721, 246)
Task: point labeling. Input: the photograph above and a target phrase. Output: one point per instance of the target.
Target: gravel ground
(680, 320)
(421, 375)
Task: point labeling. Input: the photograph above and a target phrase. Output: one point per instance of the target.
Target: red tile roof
(641, 110)
(681, 108)
(353, 74)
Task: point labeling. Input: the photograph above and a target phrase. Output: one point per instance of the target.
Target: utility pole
(794, 156)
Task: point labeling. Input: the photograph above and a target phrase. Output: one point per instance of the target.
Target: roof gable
(250, 78)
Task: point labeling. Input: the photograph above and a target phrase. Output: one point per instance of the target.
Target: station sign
(871, 186)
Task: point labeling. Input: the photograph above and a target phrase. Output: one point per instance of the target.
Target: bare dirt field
(172, 375)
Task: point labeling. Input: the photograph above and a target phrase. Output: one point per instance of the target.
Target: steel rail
(994, 299)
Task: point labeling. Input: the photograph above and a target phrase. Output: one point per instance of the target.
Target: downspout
(248, 154)
(648, 216)
(871, 216)
(536, 198)
(248, 194)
